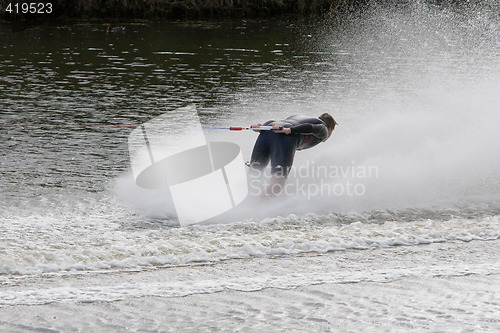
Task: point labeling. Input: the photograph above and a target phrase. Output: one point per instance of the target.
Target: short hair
(328, 120)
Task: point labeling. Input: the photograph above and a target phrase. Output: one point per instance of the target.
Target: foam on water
(43, 244)
(259, 282)
(379, 268)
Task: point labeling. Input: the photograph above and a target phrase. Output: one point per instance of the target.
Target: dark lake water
(68, 76)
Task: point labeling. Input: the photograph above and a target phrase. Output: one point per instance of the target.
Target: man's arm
(318, 130)
(314, 129)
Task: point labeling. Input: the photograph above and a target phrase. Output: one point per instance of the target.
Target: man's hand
(281, 129)
(256, 126)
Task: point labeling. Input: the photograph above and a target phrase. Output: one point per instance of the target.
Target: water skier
(279, 145)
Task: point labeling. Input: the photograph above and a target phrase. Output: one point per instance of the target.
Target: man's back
(312, 131)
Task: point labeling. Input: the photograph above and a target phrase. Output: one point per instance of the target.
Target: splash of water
(415, 92)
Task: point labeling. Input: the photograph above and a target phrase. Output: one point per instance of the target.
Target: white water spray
(415, 91)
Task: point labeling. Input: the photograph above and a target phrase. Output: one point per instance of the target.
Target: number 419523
(32, 8)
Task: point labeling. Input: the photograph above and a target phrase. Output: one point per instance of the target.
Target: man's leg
(282, 154)
(261, 155)
(276, 185)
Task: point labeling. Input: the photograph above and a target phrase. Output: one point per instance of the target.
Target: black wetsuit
(280, 148)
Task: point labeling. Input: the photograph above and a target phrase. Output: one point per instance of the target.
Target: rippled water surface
(416, 97)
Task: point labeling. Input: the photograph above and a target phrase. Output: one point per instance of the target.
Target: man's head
(330, 123)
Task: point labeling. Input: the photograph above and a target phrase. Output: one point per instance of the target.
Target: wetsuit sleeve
(318, 130)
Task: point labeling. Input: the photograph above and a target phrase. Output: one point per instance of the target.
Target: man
(279, 145)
